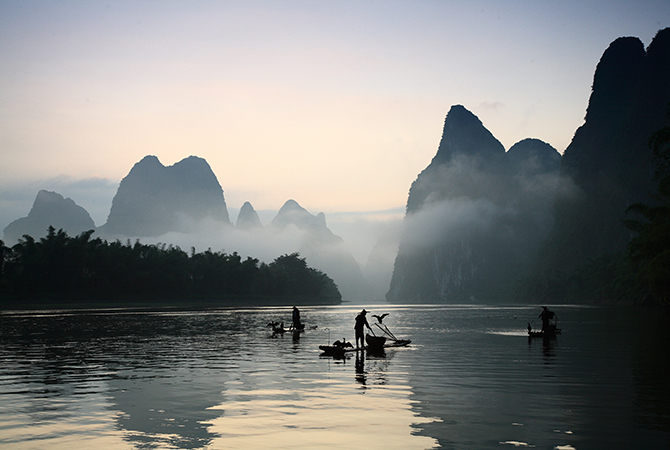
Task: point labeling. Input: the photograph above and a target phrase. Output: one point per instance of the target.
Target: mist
(360, 259)
(476, 220)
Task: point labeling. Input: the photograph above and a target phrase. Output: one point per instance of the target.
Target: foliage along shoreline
(82, 272)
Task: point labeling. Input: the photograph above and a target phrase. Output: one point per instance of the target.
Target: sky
(335, 104)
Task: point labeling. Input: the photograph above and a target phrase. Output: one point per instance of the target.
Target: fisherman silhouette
(361, 322)
(296, 319)
(546, 316)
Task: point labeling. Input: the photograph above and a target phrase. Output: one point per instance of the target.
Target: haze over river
(219, 379)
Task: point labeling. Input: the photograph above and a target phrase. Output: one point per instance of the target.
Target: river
(220, 379)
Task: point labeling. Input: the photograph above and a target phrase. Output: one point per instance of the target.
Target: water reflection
(193, 380)
(309, 411)
(165, 409)
(548, 346)
(218, 379)
(651, 366)
(360, 368)
(576, 390)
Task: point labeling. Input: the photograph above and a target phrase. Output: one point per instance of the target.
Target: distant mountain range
(49, 209)
(158, 203)
(479, 218)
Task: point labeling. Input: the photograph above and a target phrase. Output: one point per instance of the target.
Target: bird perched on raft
(342, 344)
(380, 318)
(277, 327)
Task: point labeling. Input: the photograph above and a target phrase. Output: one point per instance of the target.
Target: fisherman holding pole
(361, 322)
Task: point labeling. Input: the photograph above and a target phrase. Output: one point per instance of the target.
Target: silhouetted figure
(343, 344)
(296, 319)
(529, 327)
(546, 316)
(380, 318)
(277, 327)
(361, 322)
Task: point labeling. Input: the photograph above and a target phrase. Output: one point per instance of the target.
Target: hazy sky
(336, 104)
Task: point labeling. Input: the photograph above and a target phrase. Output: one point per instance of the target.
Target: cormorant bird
(380, 318)
(342, 344)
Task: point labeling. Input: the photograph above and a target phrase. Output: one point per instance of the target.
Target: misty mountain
(291, 213)
(49, 209)
(608, 164)
(475, 216)
(531, 157)
(378, 268)
(466, 150)
(248, 218)
(321, 248)
(153, 199)
(184, 205)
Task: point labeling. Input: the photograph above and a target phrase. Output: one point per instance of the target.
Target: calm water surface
(219, 379)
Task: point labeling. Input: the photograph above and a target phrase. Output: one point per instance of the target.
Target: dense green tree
(84, 270)
(290, 275)
(5, 253)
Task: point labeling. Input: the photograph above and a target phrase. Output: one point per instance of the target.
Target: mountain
(608, 164)
(321, 248)
(466, 149)
(153, 199)
(477, 218)
(474, 215)
(49, 209)
(291, 213)
(248, 218)
(533, 157)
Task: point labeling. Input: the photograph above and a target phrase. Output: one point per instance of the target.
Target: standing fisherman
(296, 319)
(361, 321)
(546, 316)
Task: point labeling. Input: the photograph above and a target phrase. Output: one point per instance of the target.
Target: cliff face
(153, 199)
(474, 215)
(608, 163)
(49, 209)
(466, 150)
(477, 218)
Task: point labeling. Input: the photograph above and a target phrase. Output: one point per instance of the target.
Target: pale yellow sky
(338, 105)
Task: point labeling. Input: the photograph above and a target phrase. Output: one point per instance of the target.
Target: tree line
(83, 270)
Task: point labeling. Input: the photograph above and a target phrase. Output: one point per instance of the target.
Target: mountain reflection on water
(221, 379)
